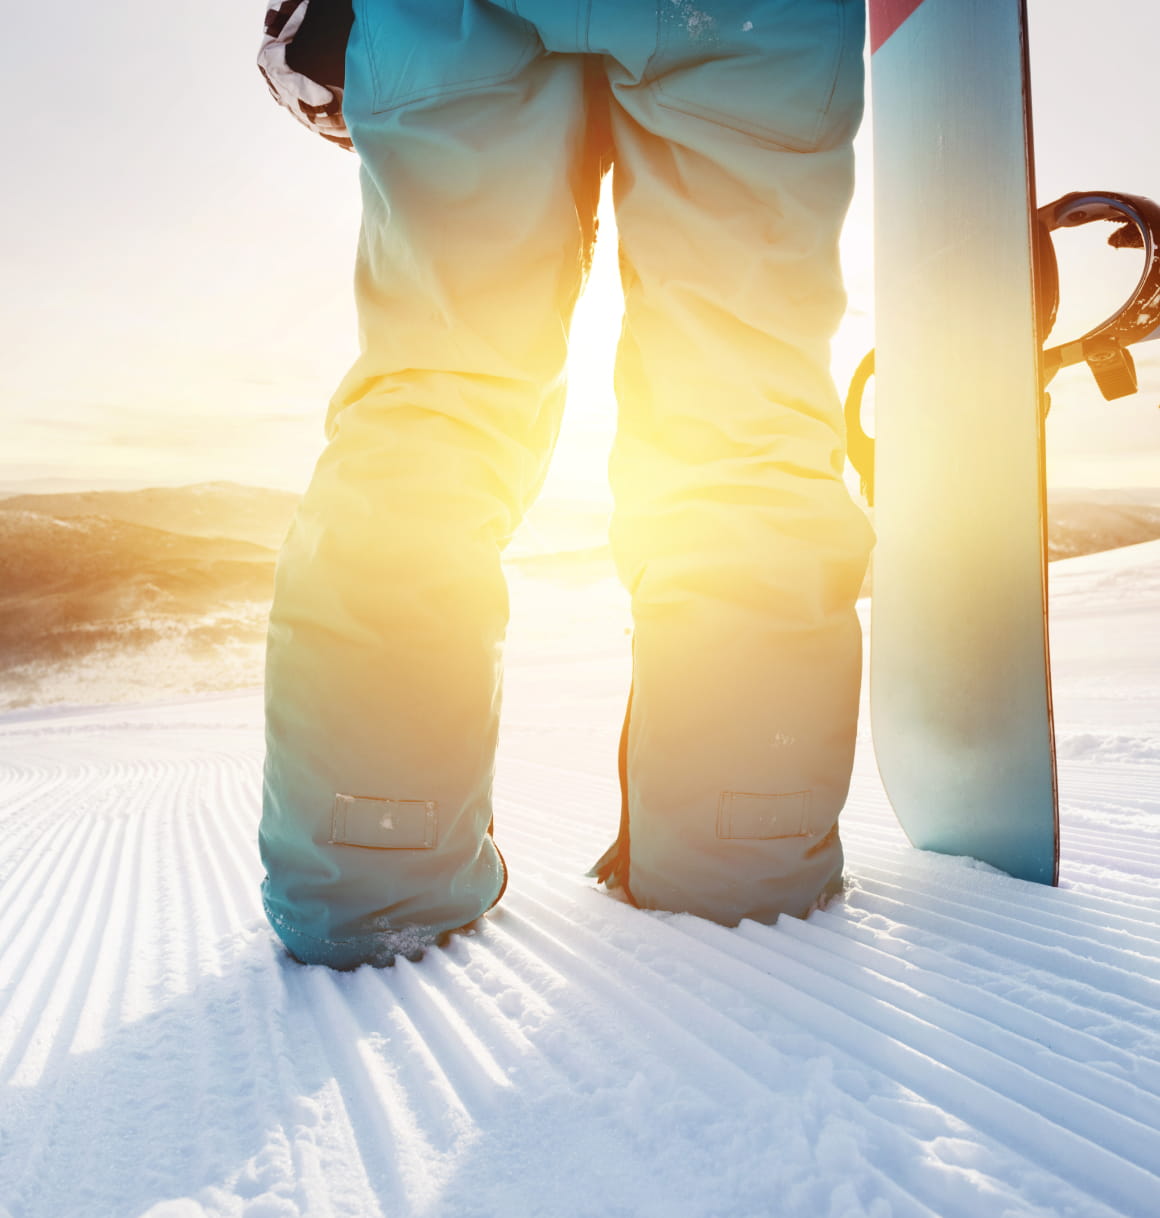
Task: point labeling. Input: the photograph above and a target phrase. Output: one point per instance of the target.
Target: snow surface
(942, 1041)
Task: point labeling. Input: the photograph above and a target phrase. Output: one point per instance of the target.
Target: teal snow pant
(483, 129)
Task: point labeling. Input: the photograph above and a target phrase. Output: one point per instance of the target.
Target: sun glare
(579, 467)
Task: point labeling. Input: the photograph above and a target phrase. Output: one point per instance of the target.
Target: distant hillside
(207, 509)
(1085, 522)
(106, 595)
(69, 584)
(262, 515)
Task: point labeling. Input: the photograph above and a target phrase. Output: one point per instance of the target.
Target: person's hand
(315, 104)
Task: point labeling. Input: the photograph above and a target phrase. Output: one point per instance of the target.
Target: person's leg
(383, 668)
(733, 529)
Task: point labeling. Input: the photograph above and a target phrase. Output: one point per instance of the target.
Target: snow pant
(483, 129)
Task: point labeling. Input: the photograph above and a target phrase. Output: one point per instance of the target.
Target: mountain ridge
(174, 583)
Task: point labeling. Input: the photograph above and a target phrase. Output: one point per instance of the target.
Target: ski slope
(941, 1041)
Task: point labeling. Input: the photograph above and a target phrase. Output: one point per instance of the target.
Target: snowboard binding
(1104, 348)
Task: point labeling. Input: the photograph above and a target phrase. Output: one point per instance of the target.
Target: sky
(178, 253)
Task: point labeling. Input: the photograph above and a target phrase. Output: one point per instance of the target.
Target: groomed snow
(942, 1041)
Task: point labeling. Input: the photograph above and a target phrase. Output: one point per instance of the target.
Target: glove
(306, 76)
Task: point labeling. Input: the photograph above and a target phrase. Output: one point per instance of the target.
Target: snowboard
(960, 690)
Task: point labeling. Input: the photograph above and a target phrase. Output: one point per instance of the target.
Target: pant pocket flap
(745, 816)
(384, 824)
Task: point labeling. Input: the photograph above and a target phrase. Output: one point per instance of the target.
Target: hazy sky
(177, 251)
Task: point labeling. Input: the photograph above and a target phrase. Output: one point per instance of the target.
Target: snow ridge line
(176, 938)
(1118, 895)
(499, 1005)
(1109, 924)
(1136, 856)
(430, 1025)
(1141, 1139)
(24, 834)
(1118, 1113)
(986, 949)
(282, 1089)
(547, 845)
(641, 1019)
(1079, 784)
(1102, 893)
(1055, 954)
(46, 946)
(25, 888)
(56, 993)
(208, 840)
(113, 951)
(228, 832)
(1017, 1007)
(391, 1146)
(820, 1003)
(23, 785)
(1097, 999)
(716, 1039)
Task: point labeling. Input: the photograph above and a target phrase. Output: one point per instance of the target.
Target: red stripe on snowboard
(886, 16)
